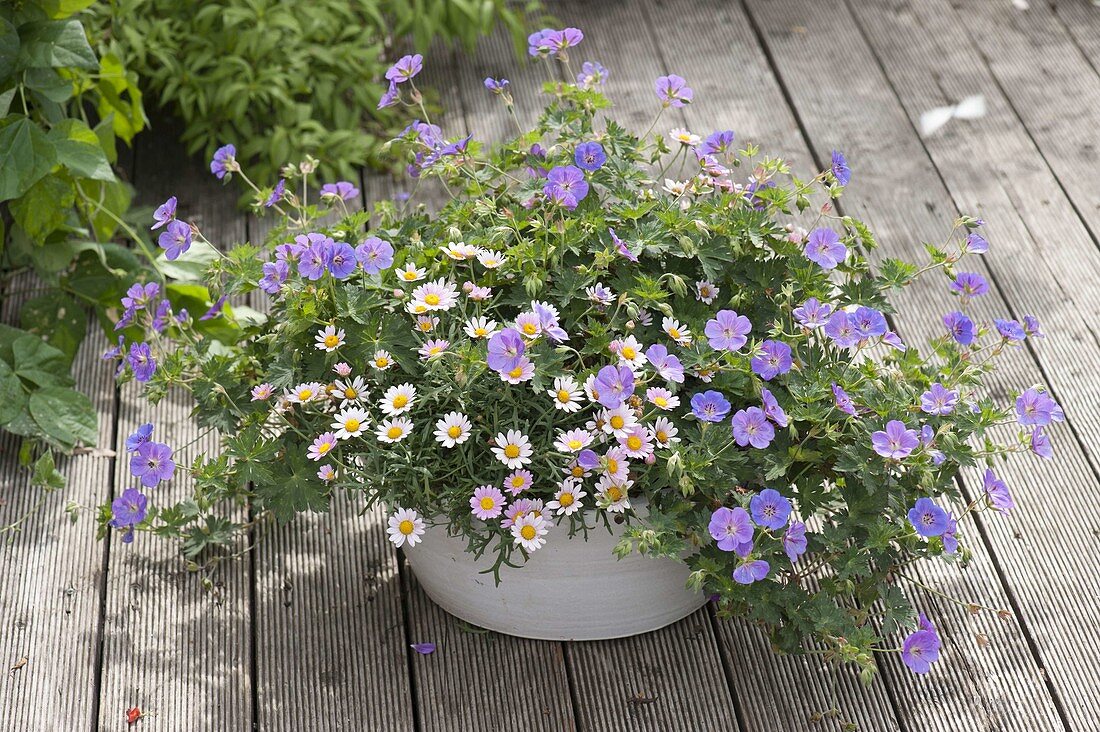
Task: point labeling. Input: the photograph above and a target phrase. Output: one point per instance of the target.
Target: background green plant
(284, 79)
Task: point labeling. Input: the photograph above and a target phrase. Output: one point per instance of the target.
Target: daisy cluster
(709, 363)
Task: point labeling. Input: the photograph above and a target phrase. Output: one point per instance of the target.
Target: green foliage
(631, 266)
(281, 80)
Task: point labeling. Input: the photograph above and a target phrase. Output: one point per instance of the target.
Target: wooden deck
(312, 630)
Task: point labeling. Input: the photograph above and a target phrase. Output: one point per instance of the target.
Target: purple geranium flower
(717, 143)
(969, 284)
(921, 648)
(770, 509)
(751, 570)
(895, 442)
(152, 462)
(496, 86)
(751, 427)
(424, 649)
(1035, 407)
(1031, 326)
(996, 492)
(275, 274)
(1010, 330)
(727, 331)
(939, 400)
(813, 314)
(868, 323)
(215, 309)
(794, 541)
(841, 330)
(505, 349)
(1040, 444)
(538, 43)
(975, 243)
(566, 186)
(730, 528)
(343, 260)
(315, 257)
(928, 518)
(950, 535)
(823, 247)
(374, 255)
(842, 401)
(666, 364)
(341, 189)
(592, 74)
(140, 436)
(224, 161)
(405, 69)
(590, 156)
(389, 98)
(141, 361)
(175, 239)
(621, 247)
(128, 510)
(841, 171)
(710, 406)
(773, 359)
(561, 40)
(893, 340)
(277, 194)
(139, 295)
(960, 327)
(613, 385)
(772, 409)
(165, 212)
(673, 91)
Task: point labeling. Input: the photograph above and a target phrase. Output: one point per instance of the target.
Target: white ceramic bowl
(570, 589)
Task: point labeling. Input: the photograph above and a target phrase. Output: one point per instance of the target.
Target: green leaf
(9, 48)
(13, 398)
(37, 362)
(64, 8)
(57, 44)
(46, 475)
(58, 318)
(189, 266)
(6, 98)
(26, 155)
(66, 416)
(299, 491)
(49, 84)
(79, 150)
(44, 207)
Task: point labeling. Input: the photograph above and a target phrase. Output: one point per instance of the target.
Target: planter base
(570, 589)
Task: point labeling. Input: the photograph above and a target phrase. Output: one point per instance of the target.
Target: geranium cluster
(572, 343)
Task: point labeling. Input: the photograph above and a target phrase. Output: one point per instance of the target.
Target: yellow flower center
(575, 444)
(628, 353)
(406, 527)
(418, 308)
(662, 436)
(332, 341)
(431, 299)
(480, 332)
(454, 431)
(324, 447)
(305, 394)
(393, 432)
(660, 401)
(350, 393)
(516, 372)
(674, 332)
(528, 532)
(529, 329)
(410, 275)
(614, 494)
(517, 481)
(352, 425)
(487, 503)
(434, 351)
(426, 326)
(564, 396)
(634, 442)
(612, 465)
(511, 451)
(381, 362)
(617, 422)
(566, 499)
(400, 400)
(578, 471)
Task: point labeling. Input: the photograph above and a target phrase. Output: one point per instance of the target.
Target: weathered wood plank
(177, 651)
(902, 197)
(53, 568)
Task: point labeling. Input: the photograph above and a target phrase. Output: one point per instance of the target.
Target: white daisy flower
(615, 465)
(613, 494)
(460, 251)
(620, 420)
(480, 327)
(529, 531)
(520, 508)
(329, 338)
(487, 502)
(590, 390)
(436, 295)
(675, 187)
(567, 500)
(398, 399)
(393, 430)
(529, 324)
(426, 323)
(381, 360)
(682, 136)
(637, 442)
(351, 422)
(405, 527)
(433, 349)
(705, 292)
(573, 440)
(518, 482)
(576, 471)
(664, 432)
(662, 398)
(566, 394)
(411, 273)
(630, 352)
(304, 393)
(490, 259)
(453, 429)
(676, 331)
(513, 449)
(351, 392)
(523, 371)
